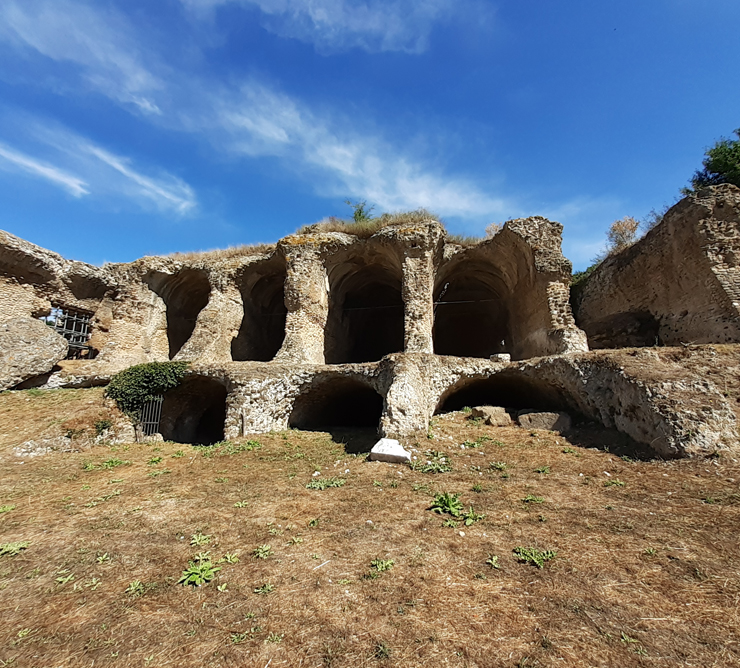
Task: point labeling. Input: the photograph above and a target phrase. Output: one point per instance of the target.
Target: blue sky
(134, 127)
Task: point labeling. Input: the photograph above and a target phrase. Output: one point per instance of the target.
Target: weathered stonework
(328, 328)
(678, 284)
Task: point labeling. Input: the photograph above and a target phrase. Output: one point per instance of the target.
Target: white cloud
(85, 168)
(29, 165)
(168, 193)
(98, 42)
(336, 25)
(260, 121)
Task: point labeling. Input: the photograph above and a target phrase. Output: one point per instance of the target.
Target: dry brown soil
(645, 572)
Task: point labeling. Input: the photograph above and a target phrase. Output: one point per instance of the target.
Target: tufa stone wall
(678, 284)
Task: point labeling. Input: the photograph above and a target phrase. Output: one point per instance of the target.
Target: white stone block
(389, 450)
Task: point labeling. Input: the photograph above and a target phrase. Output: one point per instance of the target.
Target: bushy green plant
(197, 574)
(381, 565)
(531, 555)
(135, 386)
(11, 549)
(446, 503)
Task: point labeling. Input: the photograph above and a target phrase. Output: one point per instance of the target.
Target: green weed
(198, 539)
(382, 565)
(262, 552)
(264, 589)
(531, 555)
(197, 574)
(6, 509)
(436, 462)
(135, 588)
(324, 483)
(492, 561)
(531, 498)
(446, 503)
(12, 549)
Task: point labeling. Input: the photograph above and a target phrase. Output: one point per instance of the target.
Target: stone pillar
(406, 402)
(217, 325)
(307, 301)
(563, 335)
(419, 245)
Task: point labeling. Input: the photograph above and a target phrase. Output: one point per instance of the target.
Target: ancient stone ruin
(327, 329)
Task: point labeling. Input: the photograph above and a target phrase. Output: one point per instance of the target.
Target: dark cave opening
(262, 329)
(365, 320)
(514, 392)
(194, 412)
(471, 317)
(338, 402)
(185, 295)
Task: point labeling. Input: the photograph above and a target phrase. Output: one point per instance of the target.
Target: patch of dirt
(646, 571)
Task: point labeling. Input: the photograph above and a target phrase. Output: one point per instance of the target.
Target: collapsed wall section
(678, 284)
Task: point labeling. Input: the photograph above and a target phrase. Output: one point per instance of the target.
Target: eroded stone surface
(530, 419)
(28, 348)
(496, 416)
(678, 284)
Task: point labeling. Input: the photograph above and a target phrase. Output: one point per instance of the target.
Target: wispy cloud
(337, 25)
(261, 121)
(255, 119)
(99, 42)
(82, 167)
(166, 193)
(37, 168)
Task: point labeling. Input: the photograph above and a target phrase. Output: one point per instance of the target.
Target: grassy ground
(645, 570)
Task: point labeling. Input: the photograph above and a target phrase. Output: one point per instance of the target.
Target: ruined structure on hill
(328, 328)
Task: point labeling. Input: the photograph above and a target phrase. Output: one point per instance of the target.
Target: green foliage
(531, 555)
(471, 517)
(324, 483)
(446, 503)
(531, 498)
(721, 164)
(542, 469)
(492, 561)
(135, 588)
(241, 504)
(436, 462)
(198, 539)
(102, 425)
(133, 387)
(154, 460)
(6, 509)
(11, 549)
(197, 574)
(360, 211)
(262, 552)
(264, 589)
(381, 565)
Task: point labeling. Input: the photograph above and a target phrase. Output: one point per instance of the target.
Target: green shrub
(133, 387)
(531, 555)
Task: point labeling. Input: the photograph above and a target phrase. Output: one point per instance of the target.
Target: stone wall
(678, 284)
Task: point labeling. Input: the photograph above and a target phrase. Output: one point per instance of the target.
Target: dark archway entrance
(185, 296)
(337, 402)
(365, 320)
(471, 313)
(515, 392)
(263, 326)
(194, 412)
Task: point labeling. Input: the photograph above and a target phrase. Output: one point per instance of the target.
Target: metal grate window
(75, 327)
(150, 416)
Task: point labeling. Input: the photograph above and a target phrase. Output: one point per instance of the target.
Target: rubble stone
(28, 348)
(530, 419)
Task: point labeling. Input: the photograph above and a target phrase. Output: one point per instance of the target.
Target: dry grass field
(643, 566)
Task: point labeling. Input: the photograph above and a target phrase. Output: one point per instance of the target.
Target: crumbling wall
(678, 284)
(33, 280)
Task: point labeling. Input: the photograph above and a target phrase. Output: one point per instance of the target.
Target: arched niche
(337, 402)
(472, 311)
(262, 328)
(503, 389)
(194, 412)
(185, 295)
(365, 319)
